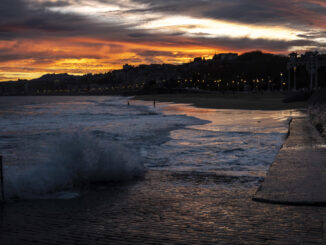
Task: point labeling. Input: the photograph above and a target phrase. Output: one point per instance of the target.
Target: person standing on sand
(154, 103)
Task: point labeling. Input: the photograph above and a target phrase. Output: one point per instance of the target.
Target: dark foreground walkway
(298, 174)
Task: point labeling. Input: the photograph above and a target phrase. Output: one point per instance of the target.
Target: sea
(54, 147)
(100, 170)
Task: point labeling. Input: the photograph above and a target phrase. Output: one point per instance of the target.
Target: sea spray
(73, 162)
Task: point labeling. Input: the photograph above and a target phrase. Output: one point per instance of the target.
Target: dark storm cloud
(27, 18)
(247, 11)
(309, 35)
(38, 57)
(245, 44)
(18, 20)
(21, 19)
(11, 8)
(290, 12)
(151, 53)
(300, 14)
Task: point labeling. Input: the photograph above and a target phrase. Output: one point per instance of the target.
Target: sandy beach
(245, 101)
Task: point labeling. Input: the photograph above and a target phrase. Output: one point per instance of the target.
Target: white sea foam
(41, 163)
(72, 162)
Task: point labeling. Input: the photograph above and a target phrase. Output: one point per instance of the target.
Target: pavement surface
(298, 174)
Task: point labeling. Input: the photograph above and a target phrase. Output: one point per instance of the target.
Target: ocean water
(55, 147)
(90, 170)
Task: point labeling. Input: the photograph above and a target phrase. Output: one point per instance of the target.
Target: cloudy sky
(92, 36)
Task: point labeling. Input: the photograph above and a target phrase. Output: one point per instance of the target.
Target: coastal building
(228, 57)
(311, 61)
(127, 67)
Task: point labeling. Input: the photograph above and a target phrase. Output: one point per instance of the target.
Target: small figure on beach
(128, 103)
(154, 103)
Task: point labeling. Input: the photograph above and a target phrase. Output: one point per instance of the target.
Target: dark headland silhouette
(253, 71)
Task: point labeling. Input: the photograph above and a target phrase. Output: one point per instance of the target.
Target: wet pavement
(298, 174)
(163, 208)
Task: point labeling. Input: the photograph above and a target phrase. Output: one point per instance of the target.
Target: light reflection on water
(232, 142)
(170, 137)
(197, 191)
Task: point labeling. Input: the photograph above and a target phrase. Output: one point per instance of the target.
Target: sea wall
(298, 174)
(317, 111)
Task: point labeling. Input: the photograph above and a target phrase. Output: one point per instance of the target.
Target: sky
(94, 36)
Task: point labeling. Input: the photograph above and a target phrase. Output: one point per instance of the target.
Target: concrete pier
(298, 174)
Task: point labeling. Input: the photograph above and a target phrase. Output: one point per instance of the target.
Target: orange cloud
(92, 36)
(27, 59)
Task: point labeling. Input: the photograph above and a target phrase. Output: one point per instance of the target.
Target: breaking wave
(72, 163)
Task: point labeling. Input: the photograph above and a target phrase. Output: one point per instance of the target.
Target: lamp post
(316, 72)
(295, 78)
(292, 63)
(281, 74)
(289, 77)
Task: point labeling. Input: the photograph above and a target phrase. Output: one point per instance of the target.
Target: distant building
(198, 61)
(228, 57)
(127, 67)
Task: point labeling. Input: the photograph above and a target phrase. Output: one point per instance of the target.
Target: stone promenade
(298, 174)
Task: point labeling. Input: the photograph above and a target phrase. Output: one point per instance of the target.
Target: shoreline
(250, 101)
(239, 101)
(291, 178)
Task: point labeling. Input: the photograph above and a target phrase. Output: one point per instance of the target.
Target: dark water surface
(92, 170)
(164, 208)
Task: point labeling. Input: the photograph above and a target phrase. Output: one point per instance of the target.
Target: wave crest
(73, 162)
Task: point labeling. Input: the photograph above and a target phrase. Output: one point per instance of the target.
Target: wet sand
(245, 101)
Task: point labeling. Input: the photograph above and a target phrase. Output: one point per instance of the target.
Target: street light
(295, 78)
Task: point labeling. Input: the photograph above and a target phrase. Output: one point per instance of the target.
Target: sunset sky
(92, 36)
